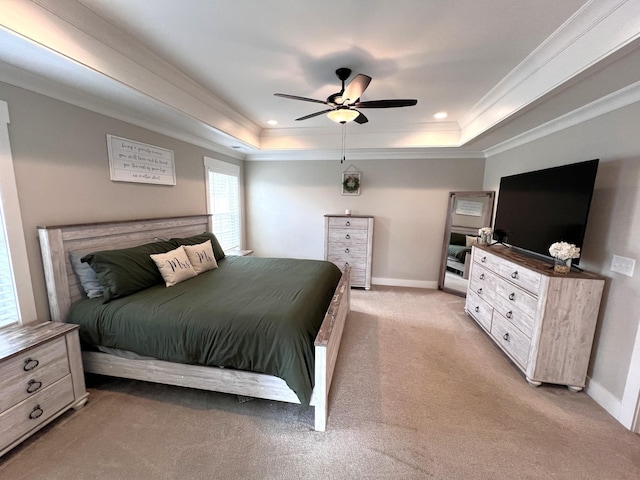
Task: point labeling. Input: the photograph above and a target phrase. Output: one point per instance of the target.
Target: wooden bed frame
(63, 289)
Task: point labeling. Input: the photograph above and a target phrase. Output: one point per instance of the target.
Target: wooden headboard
(63, 286)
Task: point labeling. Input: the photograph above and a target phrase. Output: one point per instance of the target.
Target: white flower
(564, 250)
(485, 231)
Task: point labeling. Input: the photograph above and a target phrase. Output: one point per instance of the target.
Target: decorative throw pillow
(174, 266)
(471, 241)
(87, 276)
(203, 237)
(201, 256)
(127, 270)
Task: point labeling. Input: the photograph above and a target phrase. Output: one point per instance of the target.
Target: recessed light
(440, 115)
(272, 122)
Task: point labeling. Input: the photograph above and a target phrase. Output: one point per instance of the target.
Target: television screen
(536, 209)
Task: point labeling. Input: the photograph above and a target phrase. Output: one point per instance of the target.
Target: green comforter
(256, 314)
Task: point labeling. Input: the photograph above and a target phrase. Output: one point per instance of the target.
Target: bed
(67, 298)
(459, 254)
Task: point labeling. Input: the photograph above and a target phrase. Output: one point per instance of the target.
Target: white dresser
(349, 242)
(544, 321)
(41, 377)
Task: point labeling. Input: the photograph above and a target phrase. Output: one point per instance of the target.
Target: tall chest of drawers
(41, 377)
(543, 321)
(348, 243)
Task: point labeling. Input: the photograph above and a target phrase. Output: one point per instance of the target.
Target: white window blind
(8, 301)
(17, 303)
(223, 192)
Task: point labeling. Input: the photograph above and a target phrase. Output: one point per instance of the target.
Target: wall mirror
(467, 213)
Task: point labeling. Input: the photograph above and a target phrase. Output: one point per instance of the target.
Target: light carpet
(420, 392)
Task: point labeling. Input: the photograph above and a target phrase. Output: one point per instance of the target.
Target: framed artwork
(131, 161)
(350, 183)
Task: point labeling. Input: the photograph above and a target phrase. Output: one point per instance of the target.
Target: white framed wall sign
(131, 161)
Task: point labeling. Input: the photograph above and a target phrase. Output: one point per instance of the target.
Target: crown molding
(71, 32)
(359, 154)
(146, 113)
(609, 103)
(597, 30)
(63, 50)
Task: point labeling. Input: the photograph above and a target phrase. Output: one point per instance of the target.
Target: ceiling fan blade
(295, 97)
(386, 103)
(314, 114)
(355, 89)
(361, 119)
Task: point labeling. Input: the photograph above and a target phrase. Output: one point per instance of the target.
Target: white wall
(287, 200)
(613, 226)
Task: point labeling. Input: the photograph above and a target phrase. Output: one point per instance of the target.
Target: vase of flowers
(563, 253)
(485, 234)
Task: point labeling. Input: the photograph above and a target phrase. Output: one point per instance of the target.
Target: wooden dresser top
(535, 264)
(18, 338)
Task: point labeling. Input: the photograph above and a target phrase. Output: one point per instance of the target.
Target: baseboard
(399, 282)
(604, 398)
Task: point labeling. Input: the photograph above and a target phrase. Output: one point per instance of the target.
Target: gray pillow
(127, 270)
(87, 276)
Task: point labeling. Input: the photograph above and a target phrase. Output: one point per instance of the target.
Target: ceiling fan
(343, 105)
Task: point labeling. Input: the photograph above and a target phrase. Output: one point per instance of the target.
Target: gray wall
(62, 172)
(613, 225)
(286, 203)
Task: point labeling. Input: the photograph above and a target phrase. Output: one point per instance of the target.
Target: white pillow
(471, 241)
(201, 256)
(174, 266)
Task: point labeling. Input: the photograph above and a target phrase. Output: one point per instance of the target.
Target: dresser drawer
(514, 342)
(358, 265)
(30, 413)
(358, 270)
(485, 259)
(523, 277)
(32, 371)
(517, 297)
(352, 223)
(482, 282)
(341, 236)
(480, 310)
(514, 315)
(352, 251)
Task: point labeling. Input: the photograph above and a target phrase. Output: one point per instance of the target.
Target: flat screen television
(536, 209)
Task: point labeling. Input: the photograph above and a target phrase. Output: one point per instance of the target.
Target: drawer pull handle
(348, 224)
(514, 274)
(346, 250)
(483, 259)
(36, 412)
(346, 264)
(512, 296)
(479, 291)
(477, 309)
(482, 276)
(33, 386)
(506, 336)
(347, 236)
(509, 314)
(30, 364)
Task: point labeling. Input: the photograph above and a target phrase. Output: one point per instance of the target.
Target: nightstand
(41, 377)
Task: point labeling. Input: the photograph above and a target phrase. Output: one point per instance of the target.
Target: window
(223, 202)
(8, 301)
(17, 303)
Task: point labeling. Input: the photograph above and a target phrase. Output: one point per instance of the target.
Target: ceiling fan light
(343, 115)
